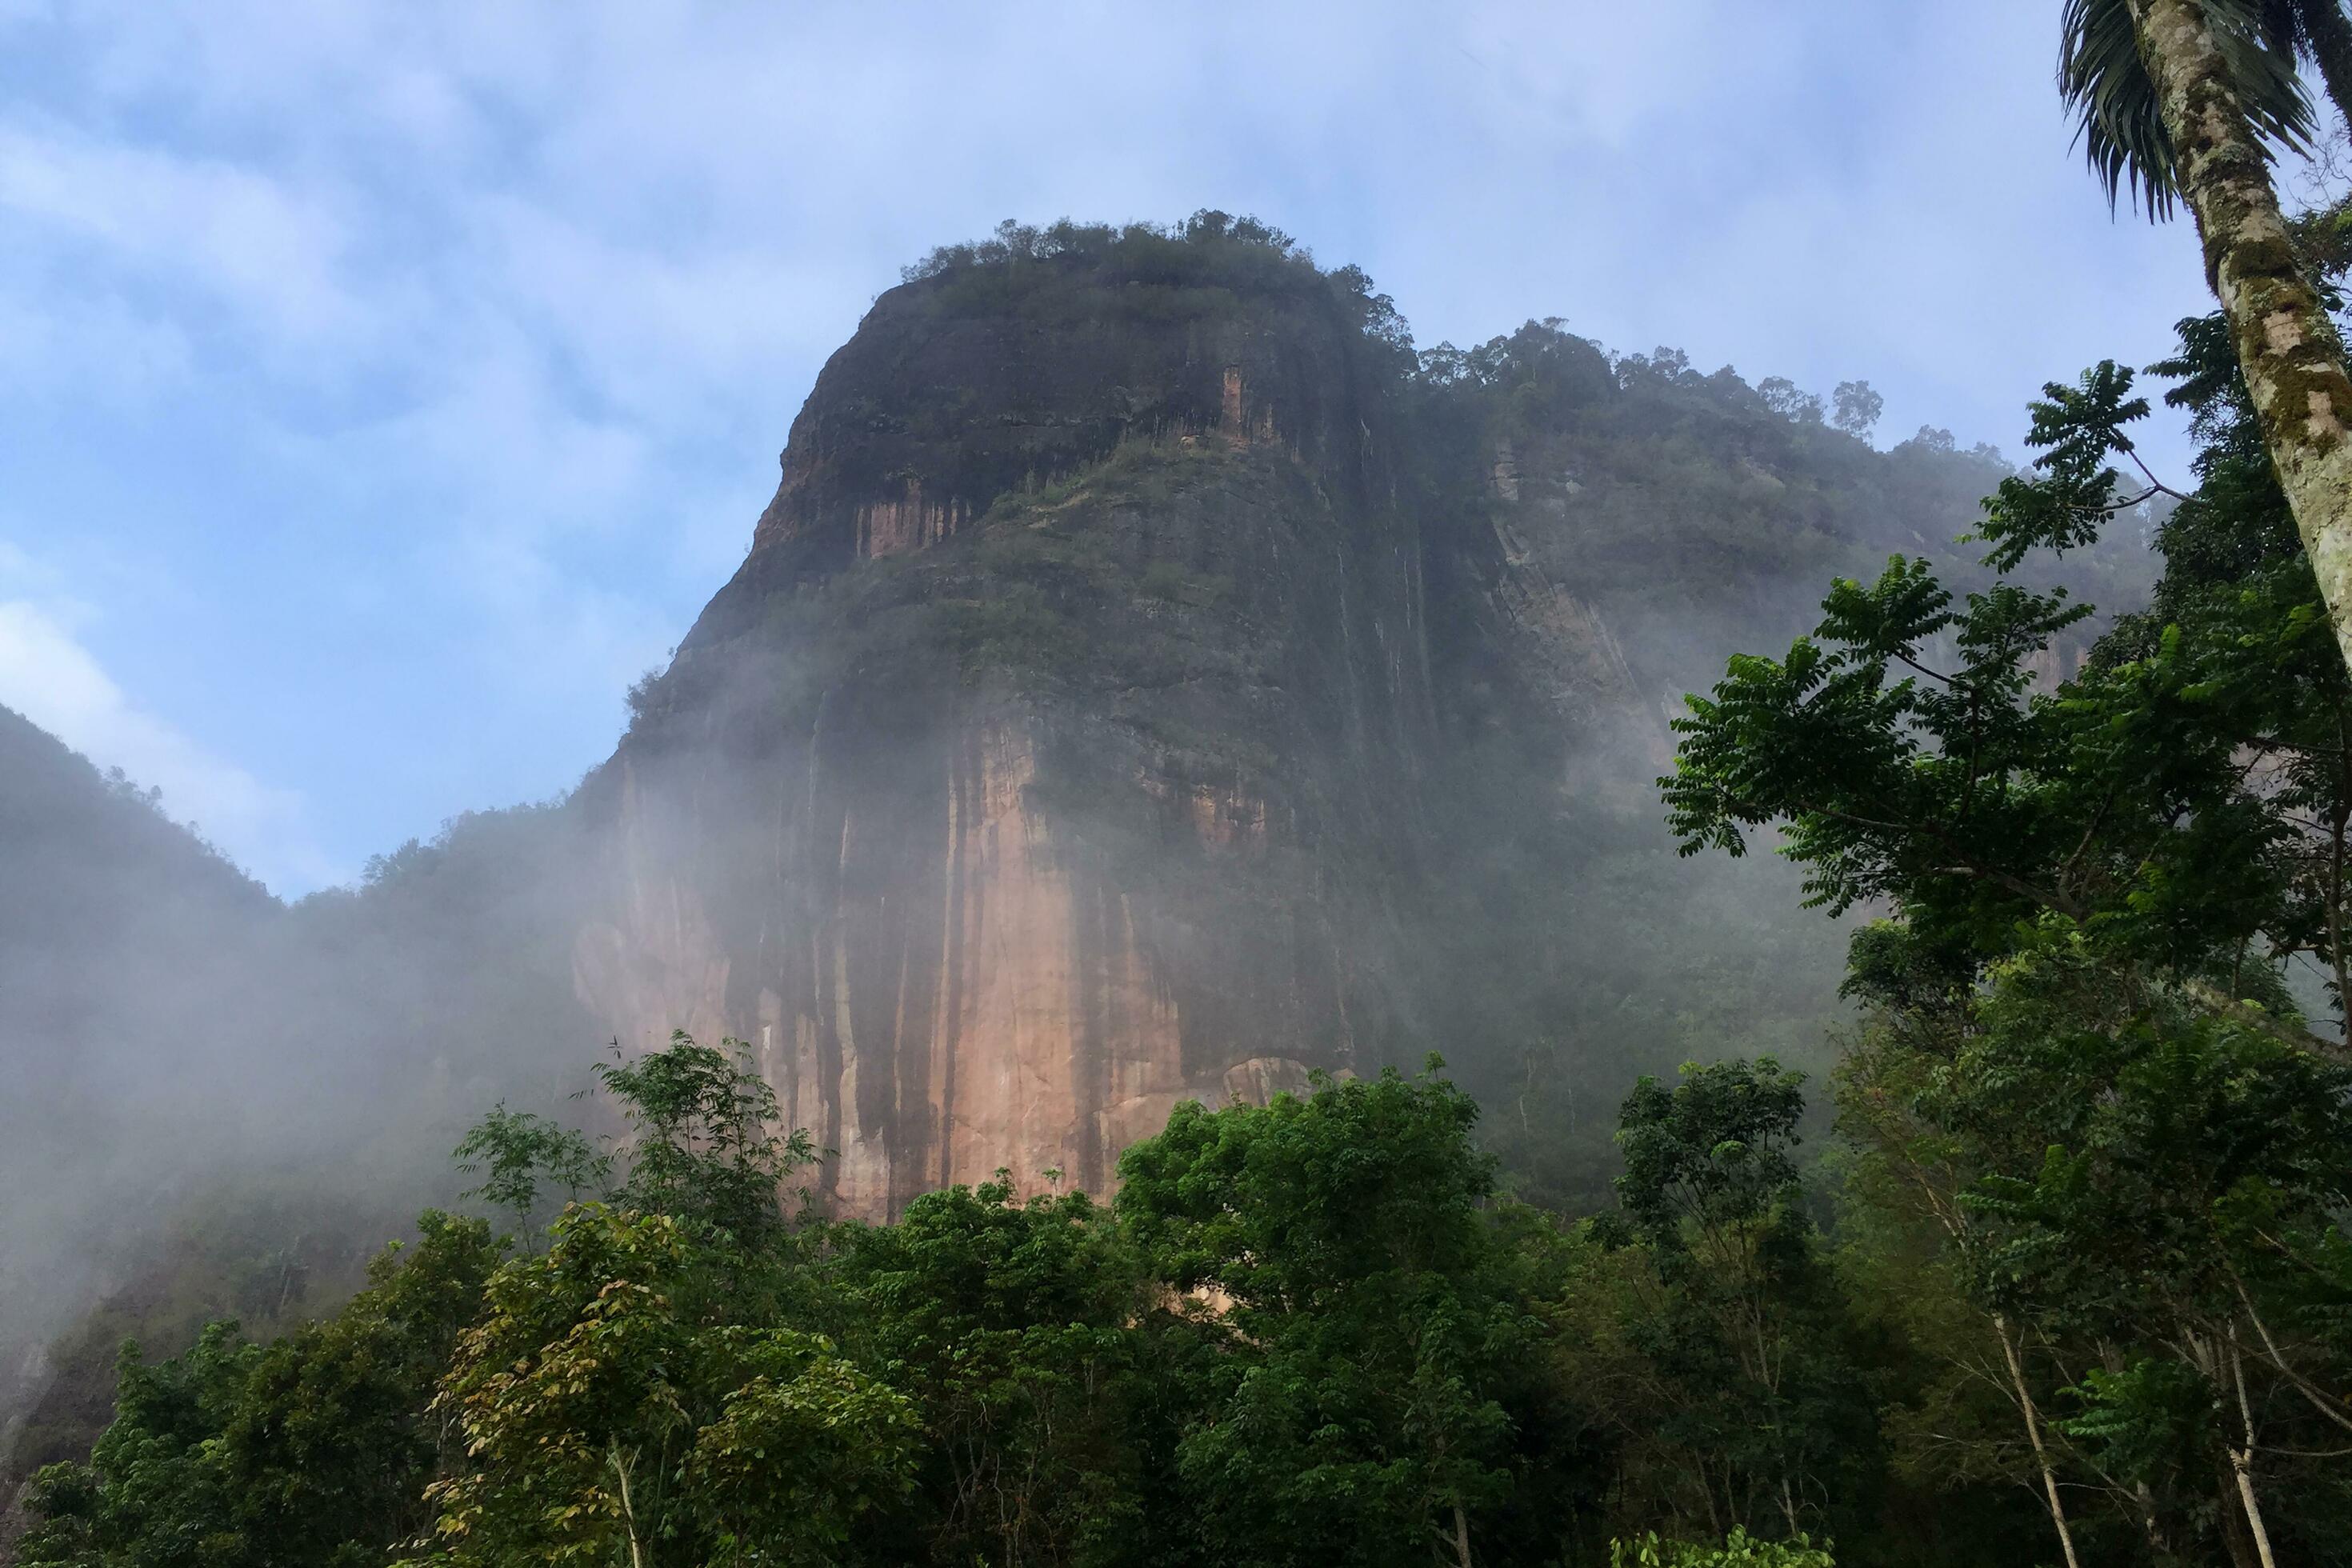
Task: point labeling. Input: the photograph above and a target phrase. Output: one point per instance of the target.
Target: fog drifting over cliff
(1149, 682)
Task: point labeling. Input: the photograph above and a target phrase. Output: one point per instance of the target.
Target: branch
(2222, 1004)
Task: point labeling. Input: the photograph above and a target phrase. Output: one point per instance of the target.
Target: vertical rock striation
(1054, 754)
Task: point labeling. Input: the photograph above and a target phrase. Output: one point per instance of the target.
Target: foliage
(2119, 123)
(1858, 408)
(2084, 1059)
(1728, 1324)
(2181, 802)
(520, 1150)
(622, 1395)
(1011, 1323)
(705, 1144)
(1210, 251)
(1740, 1550)
(314, 1449)
(1362, 1404)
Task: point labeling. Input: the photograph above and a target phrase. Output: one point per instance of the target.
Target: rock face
(1053, 755)
(1148, 682)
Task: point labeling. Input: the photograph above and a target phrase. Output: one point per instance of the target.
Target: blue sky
(384, 386)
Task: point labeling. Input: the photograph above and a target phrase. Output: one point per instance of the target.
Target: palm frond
(2119, 122)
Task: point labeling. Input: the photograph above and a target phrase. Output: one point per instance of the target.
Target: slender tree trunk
(2241, 1460)
(2331, 45)
(628, 1512)
(2034, 1434)
(2241, 1465)
(1460, 1537)
(2287, 345)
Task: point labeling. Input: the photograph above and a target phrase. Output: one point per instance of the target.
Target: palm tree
(2315, 30)
(2120, 117)
(2184, 98)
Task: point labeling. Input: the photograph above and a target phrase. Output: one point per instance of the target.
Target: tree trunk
(2230, 1513)
(1460, 1537)
(628, 1512)
(2241, 1460)
(2242, 1464)
(2331, 43)
(2033, 1433)
(2287, 345)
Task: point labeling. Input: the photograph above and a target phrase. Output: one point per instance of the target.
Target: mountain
(1152, 679)
(1149, 682)
(212, 1104)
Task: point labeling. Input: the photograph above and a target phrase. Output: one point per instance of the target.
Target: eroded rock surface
(1055, 754)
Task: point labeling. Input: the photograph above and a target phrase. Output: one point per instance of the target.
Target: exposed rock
(1053, 755)
(1139, 688)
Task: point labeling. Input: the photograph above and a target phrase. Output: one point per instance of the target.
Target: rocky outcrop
(1142, 685)
(1053, 755)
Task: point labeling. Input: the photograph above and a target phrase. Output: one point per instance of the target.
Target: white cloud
(274, 252)
(49, 677)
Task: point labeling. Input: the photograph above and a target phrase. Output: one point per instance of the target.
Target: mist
(215, 1103)
(1193, 747)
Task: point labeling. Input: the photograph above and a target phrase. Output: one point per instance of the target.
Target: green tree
(2084, 1053)
(705, 1143)
(1858, 408)
(2163, 1127)
(1740, 1550)
(1741, 1377)
(314, 1449)
(1367, 1401)
(2182, 801)
(1011, 1323)
(522, 1153)
(1905, 1214)
(625, 1397)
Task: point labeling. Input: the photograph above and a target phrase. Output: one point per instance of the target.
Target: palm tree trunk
(2330, 37)
(2288, 349)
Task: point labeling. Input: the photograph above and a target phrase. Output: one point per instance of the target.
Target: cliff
(1055, 754)
(1149, 682)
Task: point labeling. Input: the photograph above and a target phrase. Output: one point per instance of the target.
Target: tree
(1733, 1320)
(1740, 1550)
(521, 1152)
(2084, 1059)
(706, 1141)
(1013, 1323)
(1858, 408)
(2182, 801)
(625, 1397)
(1905, 1177)
(2128, 1231)
(2105, 79)
(2178, 95)
(1368, 1399)
(705, 1144)
(1783, 397)
(311, 1452)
